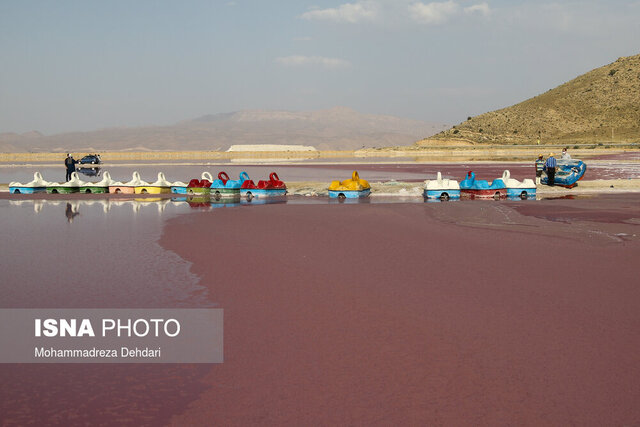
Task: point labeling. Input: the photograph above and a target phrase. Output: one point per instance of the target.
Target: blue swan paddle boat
(225, 187)
(480, 189)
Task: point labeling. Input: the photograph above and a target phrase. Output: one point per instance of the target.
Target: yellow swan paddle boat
(350, 188)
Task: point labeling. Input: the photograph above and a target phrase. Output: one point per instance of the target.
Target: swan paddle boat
(37, 185)
(525, 189)
(161, 186)
(225, 187)
(350, 188)
(101, 186)
(441, 188)
(474, 188)
(71, 186)
(198, 186)
(127, 187)
(271, 188)
(568, 173)
(180, 187)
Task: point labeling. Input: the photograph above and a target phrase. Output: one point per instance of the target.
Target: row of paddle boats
(569, 172)
(219, 188)
(472, 188)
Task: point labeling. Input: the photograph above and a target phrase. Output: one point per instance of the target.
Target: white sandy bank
(270, 147)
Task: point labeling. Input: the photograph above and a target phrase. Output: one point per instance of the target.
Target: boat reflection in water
(440, 200)
(209, 201)
(263, 200)
(349, 200)
(72, 207)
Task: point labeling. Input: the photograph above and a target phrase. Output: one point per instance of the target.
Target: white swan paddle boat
(127, 187)
(525, 189)
(441, 188)
(37, 185)
(161, 186)
(101, 186)
(71, 186)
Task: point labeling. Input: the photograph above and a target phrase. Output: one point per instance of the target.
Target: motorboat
(568, 173)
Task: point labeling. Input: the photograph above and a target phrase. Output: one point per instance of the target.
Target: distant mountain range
(338, 128)
(601, 105)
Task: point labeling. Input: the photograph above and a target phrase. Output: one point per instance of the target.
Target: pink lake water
(100, 251)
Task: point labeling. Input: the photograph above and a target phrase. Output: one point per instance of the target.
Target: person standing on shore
(550, 168)
(70, 164)
(539, 168)
(565, 154)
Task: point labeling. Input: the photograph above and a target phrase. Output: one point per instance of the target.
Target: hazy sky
(83, 65)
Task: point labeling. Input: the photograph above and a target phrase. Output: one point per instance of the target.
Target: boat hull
(121, 189)
(94, 190)
(198, 190)
(62, 190)
(487, 193)
(521, 193)
(349, 194)
(178, 190)
(259, 193)
(442, 194)
(219, 193)
(147, 189)
(26, 190)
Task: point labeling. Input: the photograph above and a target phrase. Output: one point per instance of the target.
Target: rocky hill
(601, 105)
(338, 128)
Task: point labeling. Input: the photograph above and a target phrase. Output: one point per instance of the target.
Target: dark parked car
(92, 159)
